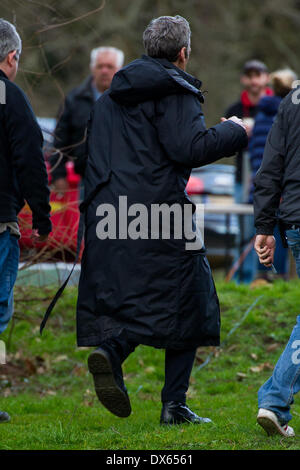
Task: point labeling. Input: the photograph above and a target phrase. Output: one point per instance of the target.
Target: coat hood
(149, 79)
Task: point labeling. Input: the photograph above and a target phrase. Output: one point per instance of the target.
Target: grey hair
(100, 50)
(165, 36)
(9, 39)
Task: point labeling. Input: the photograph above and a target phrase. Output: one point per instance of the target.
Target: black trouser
(178, 367)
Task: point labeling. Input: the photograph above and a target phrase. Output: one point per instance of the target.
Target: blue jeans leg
(277, 394)
(238, 193)
(293, 240)
(9, 261)
(247, 272)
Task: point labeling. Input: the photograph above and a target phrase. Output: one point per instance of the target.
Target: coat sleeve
(183, 135)
(62, 140)
(26, 143)
(268, 180)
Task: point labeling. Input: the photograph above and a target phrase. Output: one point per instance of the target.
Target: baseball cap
(255, 65)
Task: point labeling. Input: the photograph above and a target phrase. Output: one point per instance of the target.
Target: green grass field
(46, 387)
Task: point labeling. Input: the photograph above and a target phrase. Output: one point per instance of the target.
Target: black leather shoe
(4, 417)
(108, 381)
(174, 412)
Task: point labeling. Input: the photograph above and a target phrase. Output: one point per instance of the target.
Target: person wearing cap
(254, 80)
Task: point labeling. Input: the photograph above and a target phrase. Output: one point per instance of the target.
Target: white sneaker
(269, 421)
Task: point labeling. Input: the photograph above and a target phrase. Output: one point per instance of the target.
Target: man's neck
(180, 65)
(255, 98)
(97, 88)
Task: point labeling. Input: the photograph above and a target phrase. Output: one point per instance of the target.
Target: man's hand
(249, 125)
(36, 237)
(236, 120)
(265, 248)
(61, 185)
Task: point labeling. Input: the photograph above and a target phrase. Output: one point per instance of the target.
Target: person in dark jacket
(254, 79)
(277, 198)
(70, 131)
(22, 171)
(139, 285)
(281, 82)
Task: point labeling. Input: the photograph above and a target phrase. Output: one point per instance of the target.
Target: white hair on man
(99, 50)
(9, 39)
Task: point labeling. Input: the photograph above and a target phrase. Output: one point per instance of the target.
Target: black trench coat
(145, 135)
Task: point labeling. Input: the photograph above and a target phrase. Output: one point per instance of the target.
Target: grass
(49, 393)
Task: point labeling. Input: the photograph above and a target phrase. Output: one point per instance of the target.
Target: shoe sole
(176, 423)
(108, 392)
(270, 427)
(185, 421)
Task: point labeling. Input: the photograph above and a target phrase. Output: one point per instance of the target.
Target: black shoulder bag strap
(80, 234)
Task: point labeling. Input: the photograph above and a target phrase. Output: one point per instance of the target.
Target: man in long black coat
(145, 135)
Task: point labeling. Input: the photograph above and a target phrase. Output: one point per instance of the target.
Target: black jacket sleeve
(236, 109)
(62, 138)
(186, 140)
(268, 180)
(26, 143)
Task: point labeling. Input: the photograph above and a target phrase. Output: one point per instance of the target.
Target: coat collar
(3, 75)
(149, 78)
(85, 89)
(189, 78)
(182, 78)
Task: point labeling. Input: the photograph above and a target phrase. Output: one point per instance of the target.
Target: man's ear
(183, 54)
(243, 80)
(92, 70)
(11, 58)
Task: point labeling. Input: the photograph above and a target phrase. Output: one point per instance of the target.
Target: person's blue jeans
(277, 394)
(293, 240)
(9, 262)
(247, 271)
(238, 193)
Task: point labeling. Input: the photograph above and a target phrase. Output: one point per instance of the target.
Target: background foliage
(58, 37)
